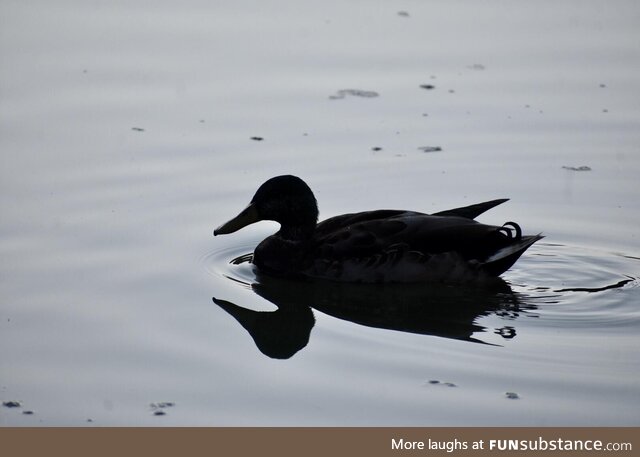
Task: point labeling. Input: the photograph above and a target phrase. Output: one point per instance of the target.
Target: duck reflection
(428, 309)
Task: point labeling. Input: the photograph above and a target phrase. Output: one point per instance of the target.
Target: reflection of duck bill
(278, 334)
(436, 310)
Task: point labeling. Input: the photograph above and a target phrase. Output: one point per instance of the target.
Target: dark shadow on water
(445, 311)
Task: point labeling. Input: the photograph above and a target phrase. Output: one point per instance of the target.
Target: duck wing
(336, 223)
(408, 246)
(426, 234)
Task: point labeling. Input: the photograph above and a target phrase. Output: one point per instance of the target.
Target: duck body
(377, 246)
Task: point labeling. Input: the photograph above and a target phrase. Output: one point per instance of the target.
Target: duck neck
(297, 232)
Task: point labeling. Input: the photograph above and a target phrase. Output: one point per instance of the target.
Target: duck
(377, 246)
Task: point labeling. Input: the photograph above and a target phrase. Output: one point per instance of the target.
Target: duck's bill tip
(226, 228)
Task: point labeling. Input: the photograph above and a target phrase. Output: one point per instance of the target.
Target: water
(126, 137)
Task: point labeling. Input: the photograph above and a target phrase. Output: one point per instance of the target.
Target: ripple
(564, 268)
(578, 286)
(232, 262)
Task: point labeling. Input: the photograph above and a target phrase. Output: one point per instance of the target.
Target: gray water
(126, 137)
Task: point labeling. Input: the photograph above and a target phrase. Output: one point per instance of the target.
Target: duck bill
(249, 215)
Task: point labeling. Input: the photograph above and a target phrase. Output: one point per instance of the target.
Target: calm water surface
(129, 131)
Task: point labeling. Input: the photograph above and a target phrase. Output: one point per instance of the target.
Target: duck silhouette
(379, 246)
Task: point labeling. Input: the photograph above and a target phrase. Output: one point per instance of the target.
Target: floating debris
(11, 404)
(451, 91)
(512, 395)
(581, 168)
(354, 92)
(137, 129)
(163, 404)
(435, 382)
(403, 13)
(159, 408)
(28, 412)
(376, 148)
(430, 148)
(477, 66)
(602, 86)
(427, 86)
(257, 138)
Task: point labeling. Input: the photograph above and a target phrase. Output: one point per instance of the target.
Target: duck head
(285, 199)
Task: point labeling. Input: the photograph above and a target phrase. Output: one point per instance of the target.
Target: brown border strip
(309, 442)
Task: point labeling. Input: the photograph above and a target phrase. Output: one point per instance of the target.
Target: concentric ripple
(233, 262)
(577, 286)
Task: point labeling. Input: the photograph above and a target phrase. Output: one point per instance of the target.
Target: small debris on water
(435, 382)
(477, 66)
(159, 408)
(430, 148)
(11, 404)
(602, 86)
(137, 129)
(403, 13)
(512, 395)
(427, 86)
(257, 138)
(353, 92)
(28, 413)
(376, 148)
(163, 404)
(581, 168)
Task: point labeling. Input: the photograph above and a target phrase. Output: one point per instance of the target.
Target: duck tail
(504, 258)
(472, 211)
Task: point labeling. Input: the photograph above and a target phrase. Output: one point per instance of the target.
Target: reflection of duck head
(434, 309)
(278, 334)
